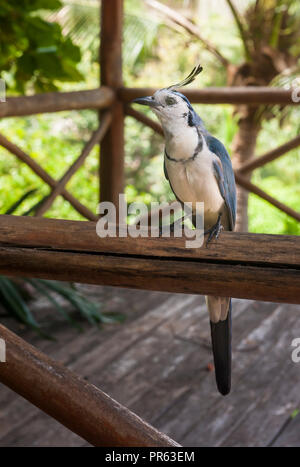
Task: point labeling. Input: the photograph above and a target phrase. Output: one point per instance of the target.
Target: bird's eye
(170, 100)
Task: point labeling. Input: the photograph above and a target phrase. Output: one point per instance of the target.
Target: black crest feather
(195, 72)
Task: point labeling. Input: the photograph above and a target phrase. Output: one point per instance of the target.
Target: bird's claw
(214, 231)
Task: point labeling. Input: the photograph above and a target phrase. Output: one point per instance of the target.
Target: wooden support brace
(38, 170)
(95, 138)
(140, 117)
(77, 404)
(270, 156)
(262, 194)
(252, 266)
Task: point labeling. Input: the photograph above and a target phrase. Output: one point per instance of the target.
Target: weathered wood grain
(26, 249)
(81, 236)
(70, 348)
(289, 437)
(160, 361)
(208, 419)
(259, 283)
(78, 405)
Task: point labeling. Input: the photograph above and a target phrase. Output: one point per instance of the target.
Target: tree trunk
(244, 145)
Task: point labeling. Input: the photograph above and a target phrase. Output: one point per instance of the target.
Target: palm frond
(241, 28)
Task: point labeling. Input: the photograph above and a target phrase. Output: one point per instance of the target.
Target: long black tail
(221, 346)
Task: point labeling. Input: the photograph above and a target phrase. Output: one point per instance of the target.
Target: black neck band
(193, 157)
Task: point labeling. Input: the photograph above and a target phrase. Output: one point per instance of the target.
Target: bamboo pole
(112, 147)
(57, 101)
(77, 404)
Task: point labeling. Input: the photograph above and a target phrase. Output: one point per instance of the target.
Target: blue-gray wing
(225, 177)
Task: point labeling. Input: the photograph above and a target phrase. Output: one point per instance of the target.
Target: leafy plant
(14, 298)
(81, 21)
(33, 50)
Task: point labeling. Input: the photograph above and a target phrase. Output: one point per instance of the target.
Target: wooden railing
(71, 400)
(250, 266)
(110, 133)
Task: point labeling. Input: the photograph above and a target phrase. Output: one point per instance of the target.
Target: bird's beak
(146, 101)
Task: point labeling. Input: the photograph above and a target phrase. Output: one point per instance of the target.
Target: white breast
(194, 181)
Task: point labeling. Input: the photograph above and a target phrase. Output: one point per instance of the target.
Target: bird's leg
(214, 231)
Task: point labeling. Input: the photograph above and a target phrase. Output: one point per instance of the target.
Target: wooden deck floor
(158, 364)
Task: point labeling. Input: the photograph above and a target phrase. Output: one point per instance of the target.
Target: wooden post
(112, 147)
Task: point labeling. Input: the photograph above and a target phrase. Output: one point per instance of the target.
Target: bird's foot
(214, 231)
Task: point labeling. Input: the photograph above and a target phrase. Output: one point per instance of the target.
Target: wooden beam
(77, 404)
(262, 194)
(57, 101)
(81, 236)
(112, 147)
(104, 96)
(251, 95)
(270, 156)
(252, 266)
(95, 138)
(140, 117)
(38, 170)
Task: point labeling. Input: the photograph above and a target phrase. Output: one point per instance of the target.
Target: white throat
(181, 140)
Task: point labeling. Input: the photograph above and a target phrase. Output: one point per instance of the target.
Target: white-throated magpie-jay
(199, 168)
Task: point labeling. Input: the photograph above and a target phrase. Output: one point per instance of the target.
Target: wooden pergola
(251, 266)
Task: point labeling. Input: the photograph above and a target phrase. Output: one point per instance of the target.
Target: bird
(198, 168)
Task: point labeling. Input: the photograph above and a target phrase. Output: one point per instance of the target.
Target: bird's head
(170, 105)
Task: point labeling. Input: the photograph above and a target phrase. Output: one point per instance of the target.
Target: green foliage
(54, 141)
(81, 21)
(34, 51)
